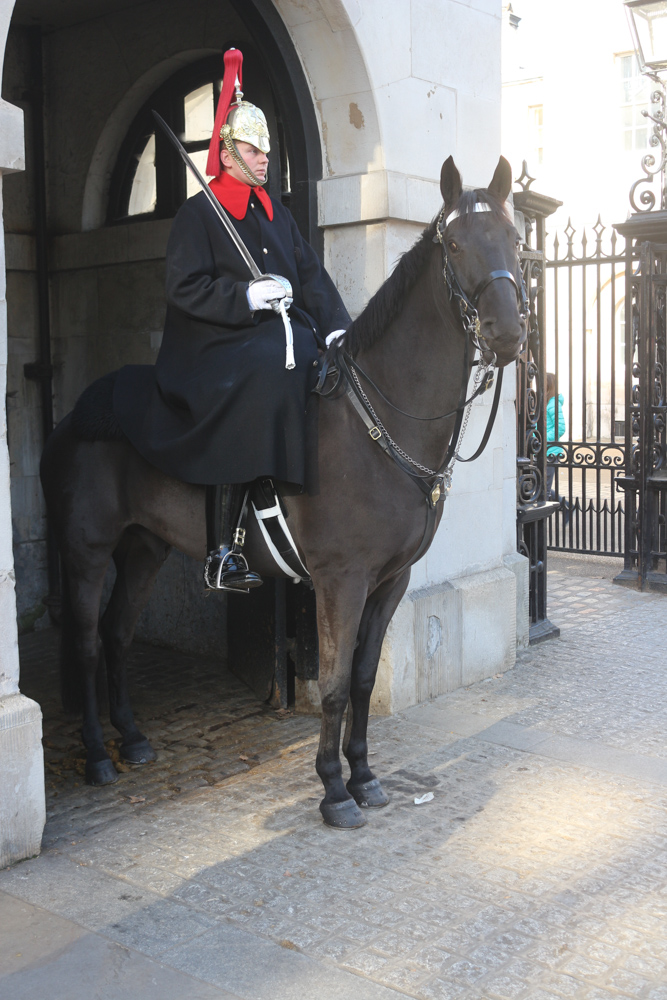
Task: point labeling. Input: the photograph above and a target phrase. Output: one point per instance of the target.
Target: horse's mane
(387, 302)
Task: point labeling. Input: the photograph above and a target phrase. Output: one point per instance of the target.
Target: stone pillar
(22, 805)
(397, 89)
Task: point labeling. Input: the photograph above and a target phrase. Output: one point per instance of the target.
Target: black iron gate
(604, 339)
(645, 475)
(585, 344)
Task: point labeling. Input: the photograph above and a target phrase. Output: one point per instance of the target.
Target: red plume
(233, 69)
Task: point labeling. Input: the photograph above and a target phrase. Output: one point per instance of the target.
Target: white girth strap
(276, 512)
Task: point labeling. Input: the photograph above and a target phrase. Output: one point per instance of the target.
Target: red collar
(234, 195)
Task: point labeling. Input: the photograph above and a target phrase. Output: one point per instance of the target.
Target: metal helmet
(237, 122)
(247, 123)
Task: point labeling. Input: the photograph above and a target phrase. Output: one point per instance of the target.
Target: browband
(479, 206)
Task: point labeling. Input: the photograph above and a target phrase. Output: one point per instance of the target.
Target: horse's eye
(454, 247)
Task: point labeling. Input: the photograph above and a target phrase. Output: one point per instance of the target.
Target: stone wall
(398, 87)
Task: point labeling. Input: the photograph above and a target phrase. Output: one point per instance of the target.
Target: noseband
(468, 305)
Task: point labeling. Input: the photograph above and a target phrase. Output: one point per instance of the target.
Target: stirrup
(228, 570)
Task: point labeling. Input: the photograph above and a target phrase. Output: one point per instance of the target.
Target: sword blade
(213, 201)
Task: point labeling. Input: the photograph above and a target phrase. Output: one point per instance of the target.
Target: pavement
(537, 871)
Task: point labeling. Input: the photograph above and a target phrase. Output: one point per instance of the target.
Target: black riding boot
(226, 567)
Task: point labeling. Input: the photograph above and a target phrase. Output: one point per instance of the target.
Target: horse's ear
(450, 183)
(501, 184)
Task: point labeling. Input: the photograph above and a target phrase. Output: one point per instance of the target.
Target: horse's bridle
(435, 484)
(468, 304)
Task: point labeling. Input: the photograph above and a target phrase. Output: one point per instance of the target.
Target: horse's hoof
(344, 815)
(100, 772)
(137, 753)
(370, 794)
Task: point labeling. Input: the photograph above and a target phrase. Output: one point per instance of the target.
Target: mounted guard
(225, 403)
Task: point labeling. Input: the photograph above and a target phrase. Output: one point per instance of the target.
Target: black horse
(358, 535)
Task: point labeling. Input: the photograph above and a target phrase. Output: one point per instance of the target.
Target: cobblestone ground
(537, 871)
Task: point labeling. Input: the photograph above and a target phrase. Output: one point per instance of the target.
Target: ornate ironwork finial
(653, 166)
(524, 179)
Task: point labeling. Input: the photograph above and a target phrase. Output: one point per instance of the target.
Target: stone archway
(94, 89)
(106, 281)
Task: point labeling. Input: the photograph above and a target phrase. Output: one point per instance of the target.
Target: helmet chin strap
(232, 149)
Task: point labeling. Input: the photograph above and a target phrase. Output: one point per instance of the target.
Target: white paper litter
(428, 797)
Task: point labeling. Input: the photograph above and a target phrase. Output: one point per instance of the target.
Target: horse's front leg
(340, 605)
(380, 607)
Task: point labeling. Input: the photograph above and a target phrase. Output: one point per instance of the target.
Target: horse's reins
(434, 483)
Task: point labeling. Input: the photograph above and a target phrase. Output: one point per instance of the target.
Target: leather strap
(493, 276)
(270, 513)
(490, 422)
(425, 483)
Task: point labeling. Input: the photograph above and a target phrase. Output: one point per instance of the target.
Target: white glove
(334, 336)
(263, 292)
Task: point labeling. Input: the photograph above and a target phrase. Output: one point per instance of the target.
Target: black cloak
(219, 406)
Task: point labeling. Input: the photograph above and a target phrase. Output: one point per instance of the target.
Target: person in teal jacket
(553, 451)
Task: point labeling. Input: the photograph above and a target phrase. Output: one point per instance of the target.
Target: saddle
(93, 419)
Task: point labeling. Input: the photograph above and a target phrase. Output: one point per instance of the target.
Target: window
(150, 180)
(143, 193)
(634, 97)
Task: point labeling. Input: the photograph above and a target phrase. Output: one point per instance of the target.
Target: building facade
(366, 98)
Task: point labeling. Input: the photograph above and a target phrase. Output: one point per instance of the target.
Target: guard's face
(256, 160)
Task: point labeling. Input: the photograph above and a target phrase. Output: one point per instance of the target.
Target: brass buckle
(239, 537)
(435, 494)
(375, 433)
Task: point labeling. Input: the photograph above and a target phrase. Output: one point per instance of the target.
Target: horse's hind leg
(138, 558)
(380, 607)
(81, 654)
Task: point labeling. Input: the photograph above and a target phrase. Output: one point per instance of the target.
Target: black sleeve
(192, 284)
(321, 298)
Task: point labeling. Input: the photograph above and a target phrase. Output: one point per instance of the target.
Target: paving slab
(538, 870)
(45, 957)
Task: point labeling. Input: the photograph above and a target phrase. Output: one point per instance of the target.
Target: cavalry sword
(278, 304)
